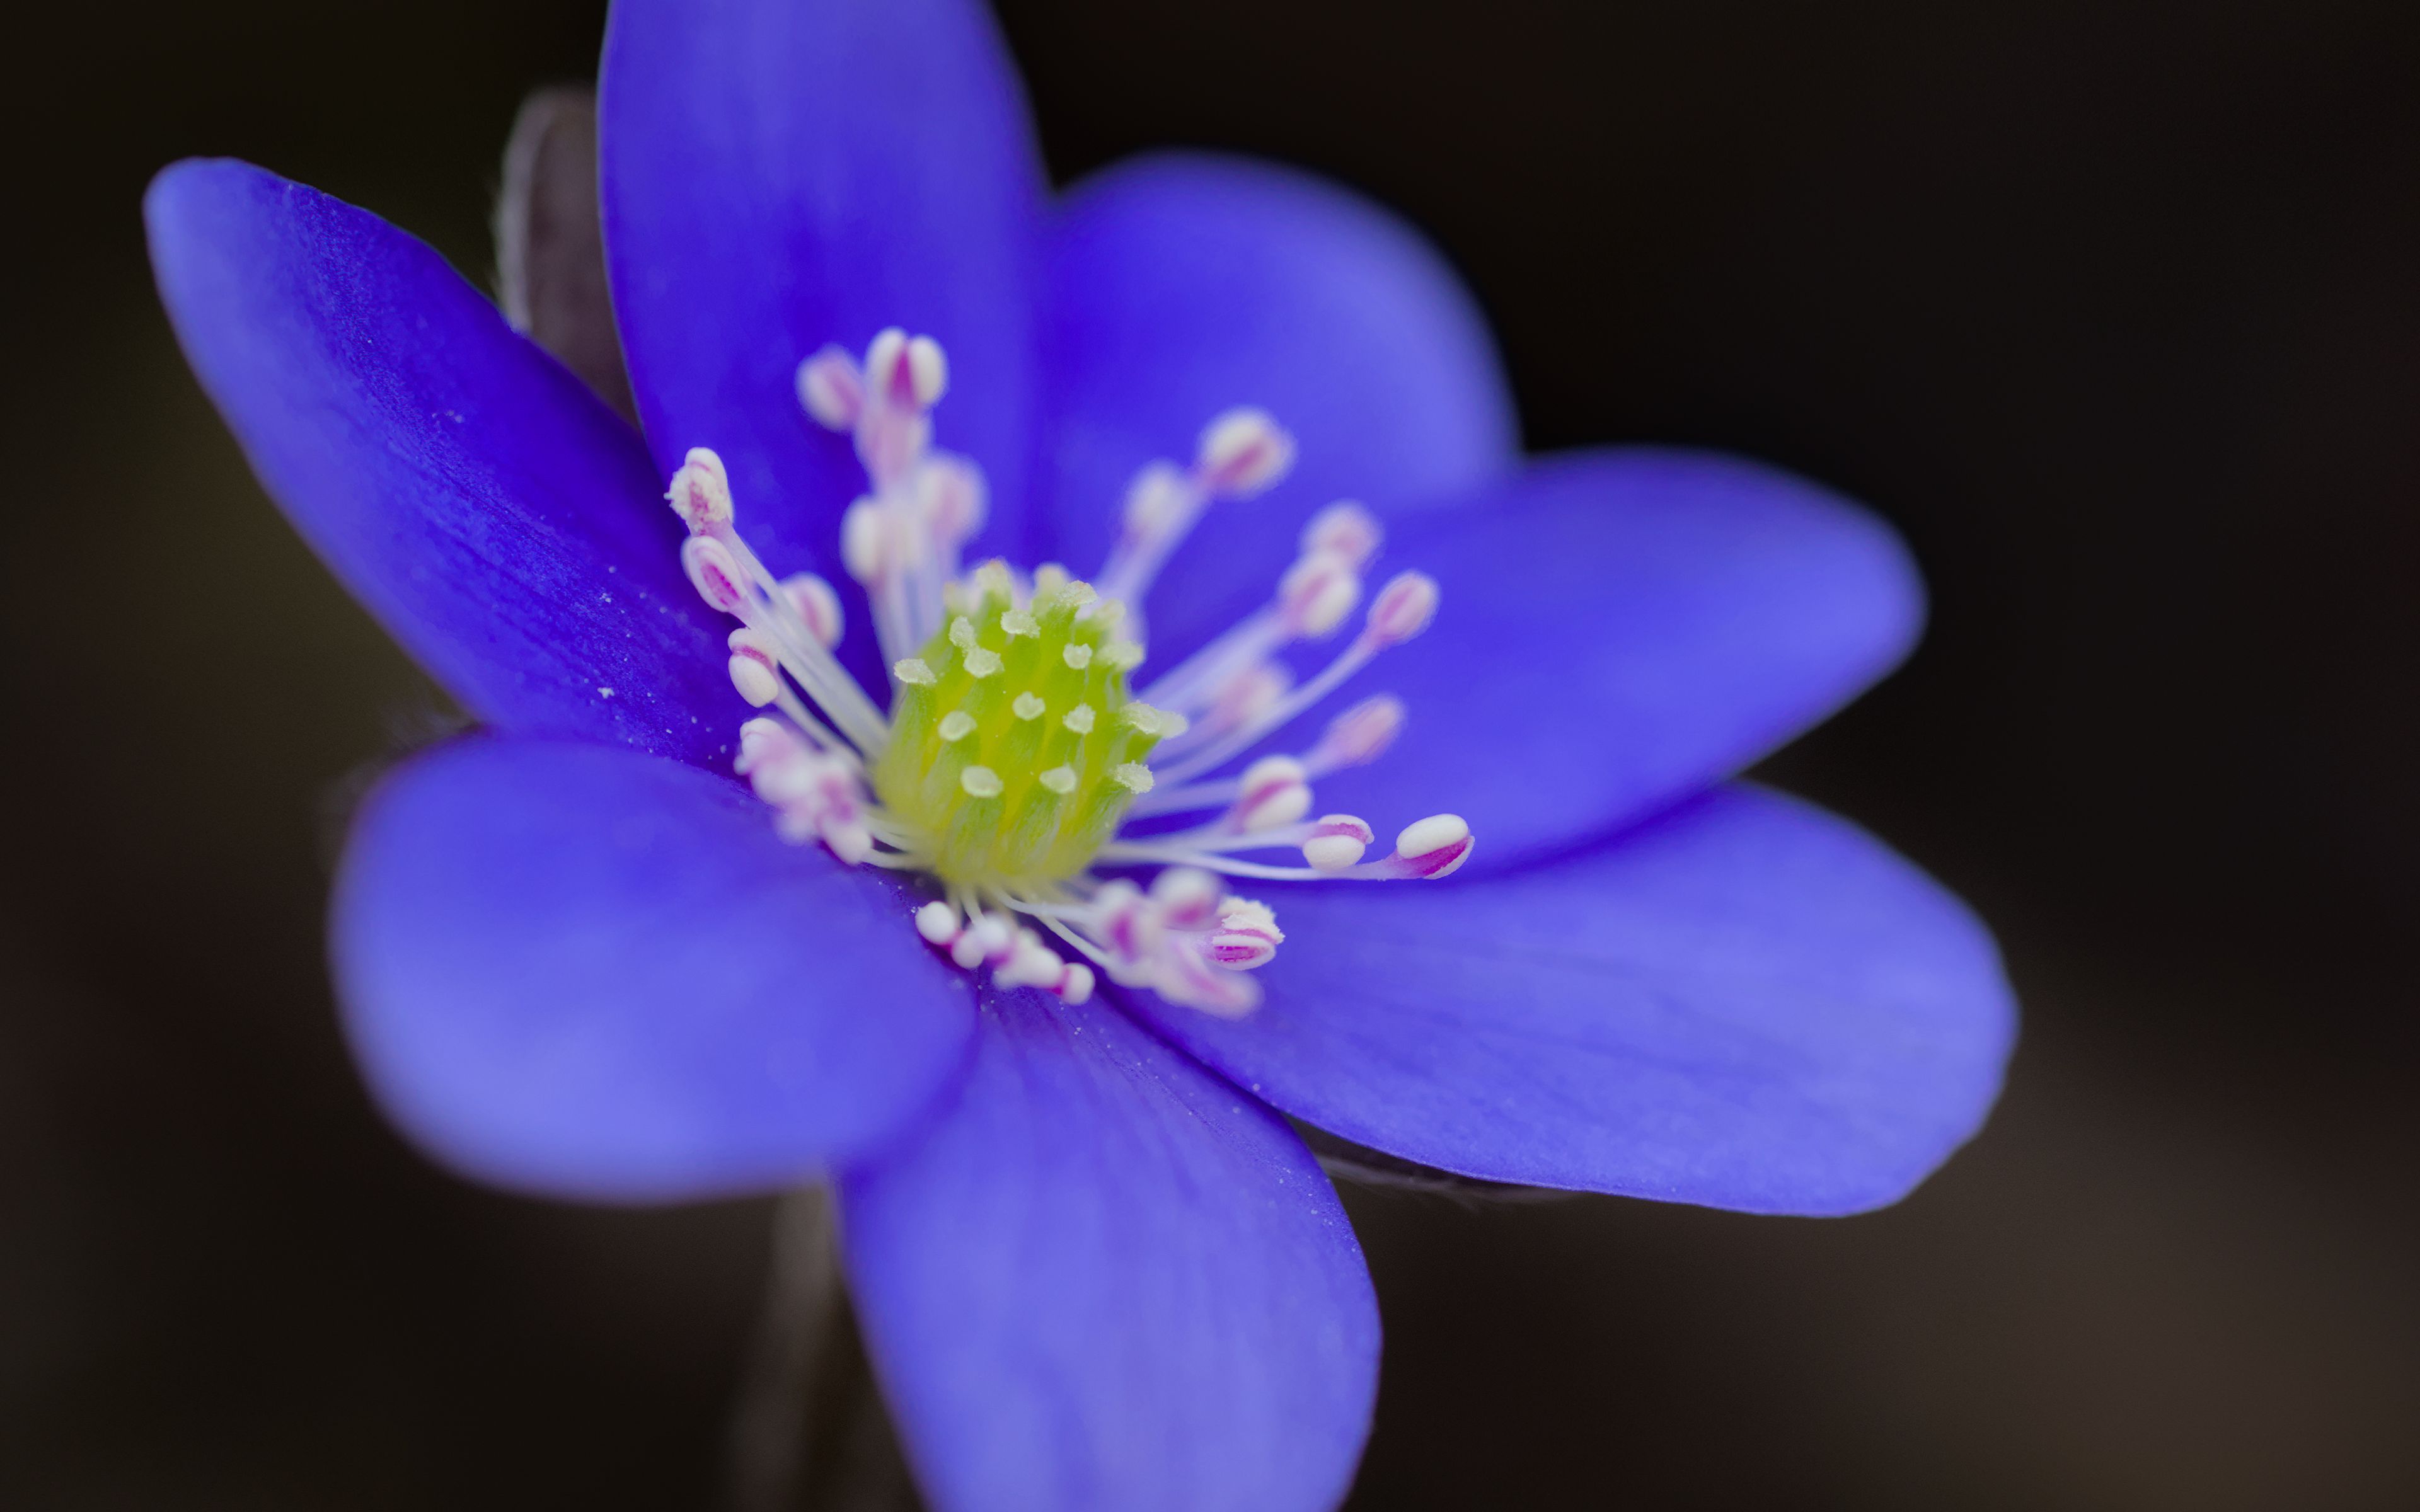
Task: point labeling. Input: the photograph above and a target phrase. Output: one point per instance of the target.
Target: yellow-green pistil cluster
(1014, 748)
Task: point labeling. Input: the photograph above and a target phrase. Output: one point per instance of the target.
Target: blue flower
(1096, 1265)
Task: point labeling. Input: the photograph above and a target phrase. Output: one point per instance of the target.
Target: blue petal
(1746, 1004)
(782, 175)
(1183, 285)
(1620, 629)
(579, 971)
(1106, 1280)
(496, 518)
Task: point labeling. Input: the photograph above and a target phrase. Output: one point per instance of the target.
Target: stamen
(1401, 610)
(1432, 848)
(1242, 453)
(1346, 529)
(1013, 750)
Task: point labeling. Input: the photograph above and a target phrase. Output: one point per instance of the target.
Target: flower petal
(503, 525)
(1618, 630)
(1106, 1279)
(1745, 1004)
(779, 176)
(1185, 284)
(579, 971)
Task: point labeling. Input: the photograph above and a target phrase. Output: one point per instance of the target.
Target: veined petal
(584, 972)
(1185, 285)
(779, 175)
(502, 524)
(1620, 629)
(1745, 1004)
(1105, 1279)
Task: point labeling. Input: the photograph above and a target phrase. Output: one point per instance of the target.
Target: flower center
(1015, 748)
(1014, 754)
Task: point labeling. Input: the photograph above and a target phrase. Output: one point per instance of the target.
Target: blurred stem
(808, 1433)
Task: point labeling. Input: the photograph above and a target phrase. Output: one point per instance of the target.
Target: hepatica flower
(924, 800)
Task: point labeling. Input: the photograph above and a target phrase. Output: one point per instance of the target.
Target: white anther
(755, 668)
(701, 493)
(1075, 985)
(956, 725)
(1402, 610)
(1031, 964)
(913, 672)
(1077, 657)
(1243, 452)
(1078, 721)
(1123, 656)
(938, 922)
(1337, 843)
(954, 498)
(1274, 792)
(888, 368)
(1059, 779)
(865, 542)
(1360, 735)
(831, 389)
(1247, 937)
(1027, 706)
(1160, 499)
(1017, 622)
(1346, 529)
(816, 605)
(1186, 898)
(1316, 593)
(849, 843)
(714, 572)
(982, 661)
(928, 370)
(967, 952)
(980, 782)
(962, 633)
(1436, 846)
(1132, 776)
(1249, 694)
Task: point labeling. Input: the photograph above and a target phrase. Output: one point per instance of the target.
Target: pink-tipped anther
(1243, 452)
(868, 545)
(953, 500)
(1126, 922)
(1315, 594)
(701, 493)
(1337, 843)
(910, 371)
(715, 573)
(1274, 793)
(816, 606)
(1247, 937)
(1359, 736)
(1160, 501)
(762, 740)
(1433, 847)
(1402, 610)
(1243, 698)
(756, 668)
(1186, 898)
(831, 389)
(1346, 529)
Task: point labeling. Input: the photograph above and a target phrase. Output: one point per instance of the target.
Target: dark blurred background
(2112, 305)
